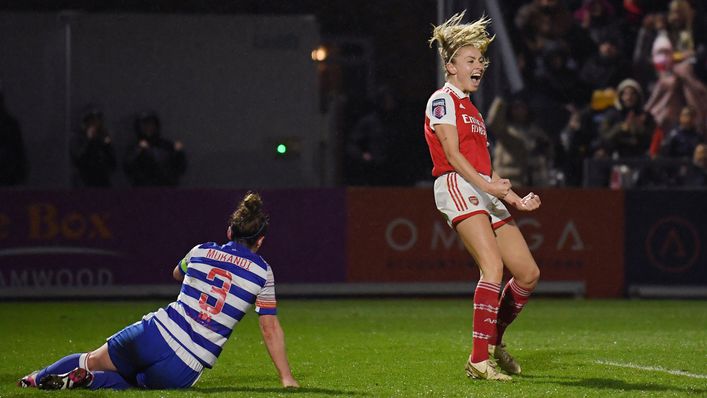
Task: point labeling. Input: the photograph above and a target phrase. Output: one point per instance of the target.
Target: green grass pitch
(399, 348)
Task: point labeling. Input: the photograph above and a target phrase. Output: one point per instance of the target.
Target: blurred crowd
(620, 86)
(614, 95)
(150, 160)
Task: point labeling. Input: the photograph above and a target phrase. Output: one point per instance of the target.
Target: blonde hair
(453, 35)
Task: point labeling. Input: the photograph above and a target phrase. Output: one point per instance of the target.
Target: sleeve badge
(439, 108)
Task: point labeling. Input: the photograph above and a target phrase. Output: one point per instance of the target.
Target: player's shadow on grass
(270, 390)
(615, 384)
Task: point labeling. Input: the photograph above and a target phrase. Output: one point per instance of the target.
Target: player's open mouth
(476, 77)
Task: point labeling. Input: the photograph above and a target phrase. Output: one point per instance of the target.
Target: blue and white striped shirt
(221, 282)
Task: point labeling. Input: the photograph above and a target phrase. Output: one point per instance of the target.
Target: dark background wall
(210, 85)
(227, 86)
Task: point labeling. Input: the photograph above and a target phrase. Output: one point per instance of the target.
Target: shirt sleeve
(440, 109)
(184, 263)
(265, 303)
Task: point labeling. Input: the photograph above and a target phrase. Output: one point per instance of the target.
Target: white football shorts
(458, 200)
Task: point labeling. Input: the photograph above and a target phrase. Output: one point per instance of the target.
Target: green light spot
(281, 149)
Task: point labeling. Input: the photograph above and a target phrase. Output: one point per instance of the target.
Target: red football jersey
(449, 105)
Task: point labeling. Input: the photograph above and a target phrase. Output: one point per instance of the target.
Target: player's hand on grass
(530, 202)
(289, 382)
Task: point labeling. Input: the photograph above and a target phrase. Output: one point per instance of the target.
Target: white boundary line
(653, 368)
(676, 291)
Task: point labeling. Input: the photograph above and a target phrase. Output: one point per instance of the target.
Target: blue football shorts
(144, 358)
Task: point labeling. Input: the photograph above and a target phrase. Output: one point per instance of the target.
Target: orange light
(319, 54)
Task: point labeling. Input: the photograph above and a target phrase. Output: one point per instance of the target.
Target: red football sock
(513, 300)
(485, 310)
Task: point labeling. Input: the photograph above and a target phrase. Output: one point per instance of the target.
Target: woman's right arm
(274, 339)
(449, 138)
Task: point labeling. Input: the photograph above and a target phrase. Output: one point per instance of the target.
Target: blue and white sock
(64, 365)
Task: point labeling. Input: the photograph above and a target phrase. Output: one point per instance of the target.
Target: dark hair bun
(252, 203)
(248, 222)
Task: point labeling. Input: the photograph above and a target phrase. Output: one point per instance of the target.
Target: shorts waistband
(488, 178)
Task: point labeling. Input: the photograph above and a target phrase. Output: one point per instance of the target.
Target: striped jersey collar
(243, 251)
(237, 247)
(459, 93)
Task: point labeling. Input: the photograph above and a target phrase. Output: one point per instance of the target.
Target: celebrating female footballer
(169, 348)
(468, 192)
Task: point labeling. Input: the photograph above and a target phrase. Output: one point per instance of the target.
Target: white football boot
(485, 370)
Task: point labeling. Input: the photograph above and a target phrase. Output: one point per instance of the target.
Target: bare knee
(93, 361)
(100, 359)
(529, 278)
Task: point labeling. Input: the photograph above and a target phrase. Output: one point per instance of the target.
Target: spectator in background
(555, 87)
(13, 163)
(597, 18)
(696, 173)
(644, 71)
(687, 32)
(699, 33)
(680, 29)
(523, 152)
(577, 139)
(627, 129)
(632, 16)
(92, 152)
(542, 21)
(608, 67)
(154, 160)
(633, 12)
(683, 139)
(677, 87)
(368, 146)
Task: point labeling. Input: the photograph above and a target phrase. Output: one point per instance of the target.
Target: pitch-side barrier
(594, 243)
(297, 290)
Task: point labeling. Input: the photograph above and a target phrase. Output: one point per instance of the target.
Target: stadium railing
(630, 173)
